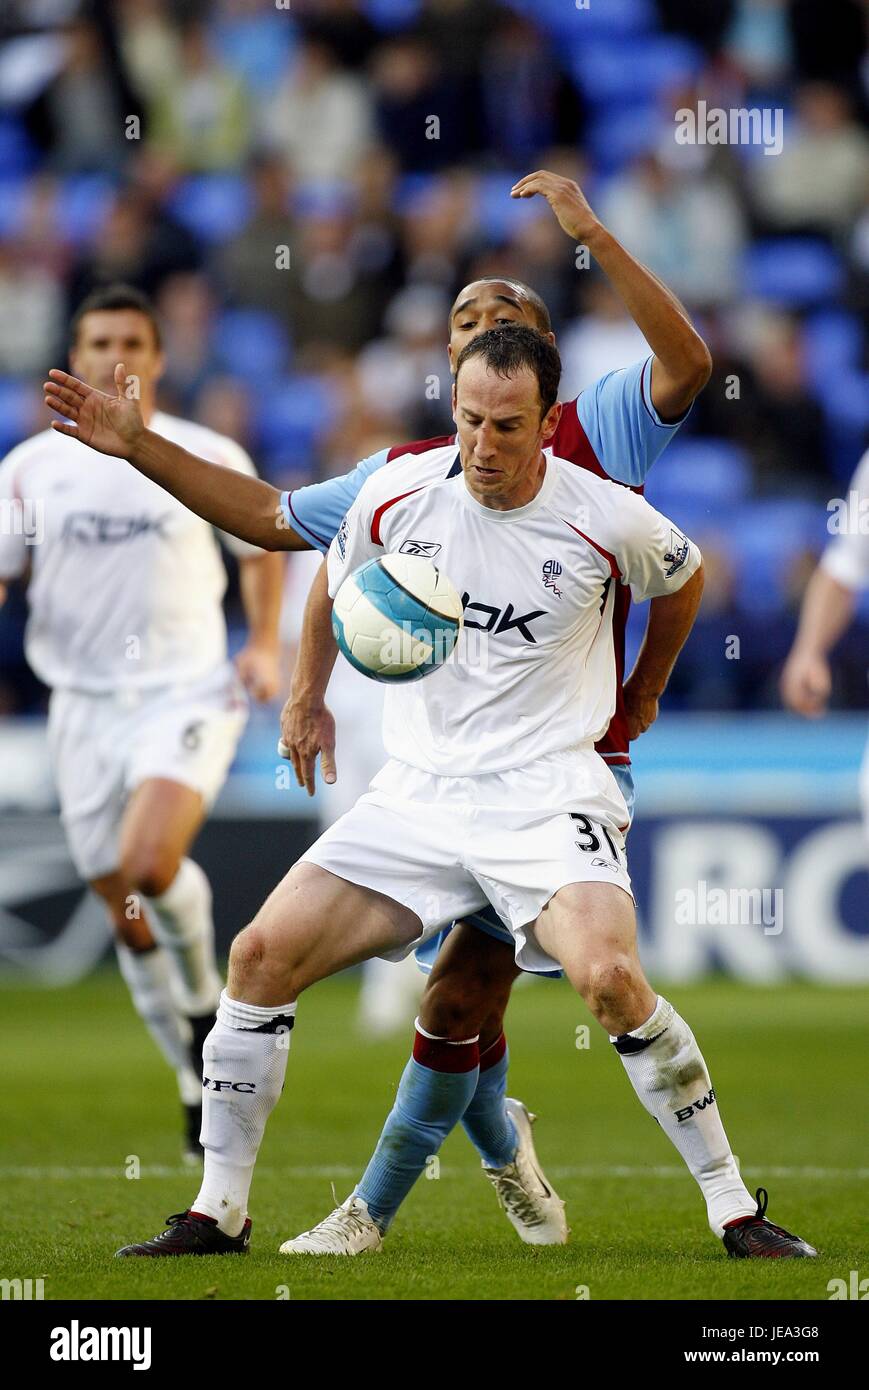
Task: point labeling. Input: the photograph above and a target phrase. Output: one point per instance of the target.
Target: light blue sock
(486, 1122)
(429, 1103)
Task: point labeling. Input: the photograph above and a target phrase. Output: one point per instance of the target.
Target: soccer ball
(397, 618)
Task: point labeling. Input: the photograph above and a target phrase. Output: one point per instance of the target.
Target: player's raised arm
(241, 505)
(682, 363)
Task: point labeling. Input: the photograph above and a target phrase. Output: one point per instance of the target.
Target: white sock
(147, 977)
(668, 1073)
(183, 925)
(245, 1059)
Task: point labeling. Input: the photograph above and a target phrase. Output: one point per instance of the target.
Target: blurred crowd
(303, 188)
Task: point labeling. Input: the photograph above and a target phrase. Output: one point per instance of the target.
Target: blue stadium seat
(292, 419)
(617, 136)
(609, 19)
(14, 197)
(83, 203)
(258, 47)
(392, 14)
(212, 206)
(498, 215)
(766, 537)
(834, 345)
(611, 72)
(709, 474)
(797, 272)
(17, 155)
(252, 344)
(16, 413)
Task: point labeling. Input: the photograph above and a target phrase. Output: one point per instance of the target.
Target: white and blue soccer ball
(397, 618)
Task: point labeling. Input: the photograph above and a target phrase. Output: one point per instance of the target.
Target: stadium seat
(392, 14)
(83, 203)
(796, 272)
(709, 474)
(766, 536)
(258, 47)
(17, 155)
(14, 198)
(564, 18)
(16, 413)
(252, 344)
(613, 72)
(212, 206)
(292, 419)
(834, 345)
(617, 137)
(499, 215)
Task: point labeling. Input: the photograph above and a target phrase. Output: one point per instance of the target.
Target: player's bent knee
(448, 1011)
(608, 984)
(150, 871)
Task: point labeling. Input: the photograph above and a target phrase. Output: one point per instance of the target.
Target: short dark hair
(507, 350)
(541, 313)
(111, 297)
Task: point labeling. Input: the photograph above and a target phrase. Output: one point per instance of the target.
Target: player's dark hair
(507, 350)
(544, 322)
(110, 297)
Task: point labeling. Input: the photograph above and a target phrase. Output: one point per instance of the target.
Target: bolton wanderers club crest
(551, 571)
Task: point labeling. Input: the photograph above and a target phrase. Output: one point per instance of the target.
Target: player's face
(486, 304)
(501, 433)
(108, 336)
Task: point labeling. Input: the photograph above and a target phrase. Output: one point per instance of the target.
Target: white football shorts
(104, 746)
(447, 846)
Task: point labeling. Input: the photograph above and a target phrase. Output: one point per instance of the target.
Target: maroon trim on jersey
(571, 442)
(420, 446)
(384, 507)
(611, 559)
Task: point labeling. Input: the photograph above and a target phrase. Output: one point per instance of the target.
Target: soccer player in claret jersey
(493, 792)
(126, 626)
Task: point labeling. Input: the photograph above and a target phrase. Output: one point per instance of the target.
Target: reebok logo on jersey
(501, 621)
(551, 571)
(427, 548)
(98, 528)
(676, 556)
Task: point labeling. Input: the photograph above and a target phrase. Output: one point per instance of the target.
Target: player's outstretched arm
(828, 608)
(671, 618)
(682, 362)
(307, 726)
(243, 506)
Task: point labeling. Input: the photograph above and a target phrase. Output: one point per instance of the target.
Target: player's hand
(307, 730)
(806, 683)
(111, 424)
(641, 707)
(566, 199)
(258, 665)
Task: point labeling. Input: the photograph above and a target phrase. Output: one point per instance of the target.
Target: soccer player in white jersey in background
(126, 627)
(827, 610)
(493, 791)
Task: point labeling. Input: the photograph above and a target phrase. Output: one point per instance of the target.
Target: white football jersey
(533, 672)
(846, 558)
(127, 584)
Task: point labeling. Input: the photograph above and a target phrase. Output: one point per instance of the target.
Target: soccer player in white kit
(828, 608)
(126, 627)
(493, 791)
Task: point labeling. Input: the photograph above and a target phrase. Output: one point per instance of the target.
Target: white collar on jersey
(550, 478)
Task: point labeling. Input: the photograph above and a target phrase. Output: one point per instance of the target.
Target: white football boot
(531, 1203)
(348, 1230)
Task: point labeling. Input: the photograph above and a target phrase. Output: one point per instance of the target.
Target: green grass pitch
(85, 1089)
